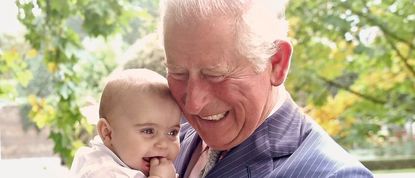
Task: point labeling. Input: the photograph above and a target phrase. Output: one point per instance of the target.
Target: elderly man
(227, 61)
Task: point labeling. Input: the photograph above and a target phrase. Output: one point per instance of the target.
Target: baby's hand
(162, 167)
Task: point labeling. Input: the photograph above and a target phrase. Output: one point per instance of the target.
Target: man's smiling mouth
(215, 117)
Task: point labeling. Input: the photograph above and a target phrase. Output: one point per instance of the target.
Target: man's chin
(218, 144)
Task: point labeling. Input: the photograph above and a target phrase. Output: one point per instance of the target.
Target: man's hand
(161, 168)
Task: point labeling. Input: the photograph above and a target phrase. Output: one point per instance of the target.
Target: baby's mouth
(148, 159)
(146, 163)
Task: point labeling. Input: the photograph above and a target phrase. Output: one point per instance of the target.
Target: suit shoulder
(185, 129)
(320, 156)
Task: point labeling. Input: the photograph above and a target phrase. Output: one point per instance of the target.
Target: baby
(138, 129)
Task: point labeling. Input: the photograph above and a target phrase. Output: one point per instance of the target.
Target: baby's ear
(104, 131)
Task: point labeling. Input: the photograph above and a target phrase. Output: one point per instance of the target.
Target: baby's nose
(162, 143)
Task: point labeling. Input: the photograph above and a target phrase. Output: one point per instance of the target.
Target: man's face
(144, 127)
(220, 93)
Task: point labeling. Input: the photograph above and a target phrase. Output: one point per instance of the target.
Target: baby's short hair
(144, 81)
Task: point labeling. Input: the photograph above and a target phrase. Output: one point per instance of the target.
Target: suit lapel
(188, 144)
(276, 139)
(244, 159)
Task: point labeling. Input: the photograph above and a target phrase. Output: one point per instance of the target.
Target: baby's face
(146, 127)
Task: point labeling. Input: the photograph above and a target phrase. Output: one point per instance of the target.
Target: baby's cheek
(175, 151)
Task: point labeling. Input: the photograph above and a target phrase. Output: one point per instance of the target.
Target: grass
(394, 170)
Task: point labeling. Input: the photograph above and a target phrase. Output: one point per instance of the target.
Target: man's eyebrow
(217, 68)
(175, 68)
(172, 65)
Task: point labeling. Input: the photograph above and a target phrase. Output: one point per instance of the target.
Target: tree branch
(381, 26)
(364, 96)
(401, 57)
(388, 34)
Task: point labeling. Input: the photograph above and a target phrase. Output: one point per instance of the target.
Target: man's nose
(196, 96)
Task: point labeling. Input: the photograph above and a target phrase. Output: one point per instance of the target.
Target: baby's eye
(148, 131)
(173, 133)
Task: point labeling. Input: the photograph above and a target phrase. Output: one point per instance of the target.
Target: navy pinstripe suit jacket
(287, 144)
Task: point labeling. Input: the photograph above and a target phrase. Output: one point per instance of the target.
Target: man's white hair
(259, 24)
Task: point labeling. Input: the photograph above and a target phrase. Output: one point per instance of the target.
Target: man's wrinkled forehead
(211, 67)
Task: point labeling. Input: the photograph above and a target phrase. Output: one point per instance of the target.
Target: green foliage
(146, 21)
(362, 47)
(13, 67)
(55, 30)
(151, 56)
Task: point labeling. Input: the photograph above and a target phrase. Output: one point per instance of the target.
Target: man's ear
(105, 131)
(280, 62)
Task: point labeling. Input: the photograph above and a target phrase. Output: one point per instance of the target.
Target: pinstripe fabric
(287, 144)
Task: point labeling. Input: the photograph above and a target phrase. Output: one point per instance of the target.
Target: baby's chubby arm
(162, 168)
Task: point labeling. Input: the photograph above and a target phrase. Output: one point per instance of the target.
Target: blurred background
(353, 70)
